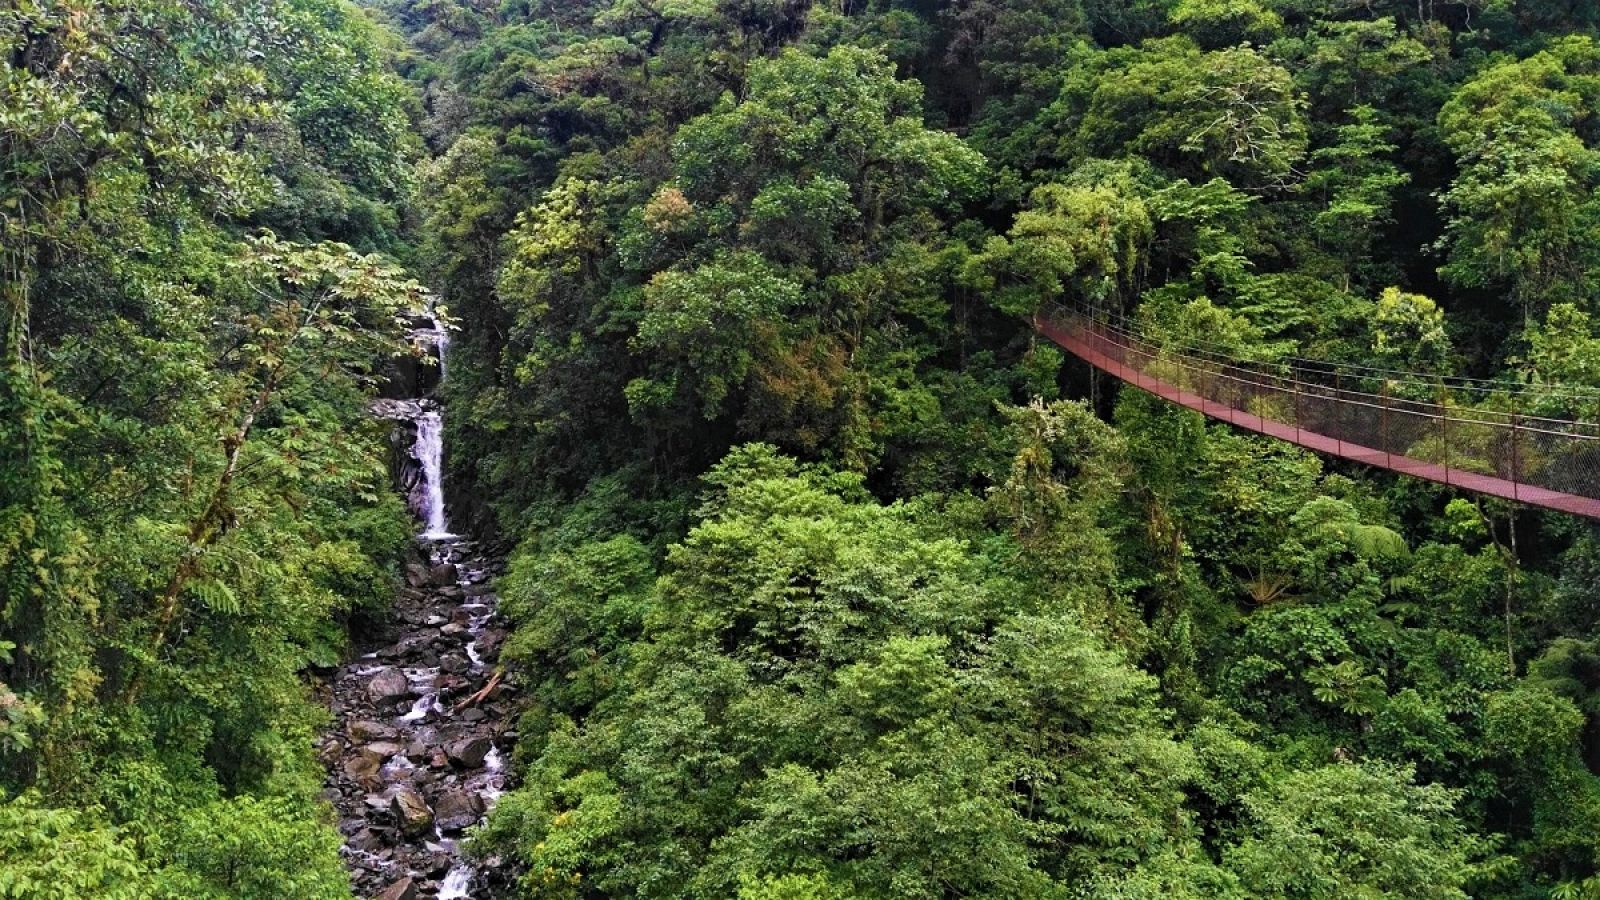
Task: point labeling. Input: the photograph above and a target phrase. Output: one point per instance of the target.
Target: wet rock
(417, 575)
(443, 575)
(469, 753)
(393, 777)
(457, 810)
(388, 687)
(383, 749)
(411, 811)
(366, 730)
(362, 766)
(404, 889)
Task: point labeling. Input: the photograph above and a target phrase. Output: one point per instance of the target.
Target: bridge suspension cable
(1525, 443)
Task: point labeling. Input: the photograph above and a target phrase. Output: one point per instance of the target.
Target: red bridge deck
(1119, 355)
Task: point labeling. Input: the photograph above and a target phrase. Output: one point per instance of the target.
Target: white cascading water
(427, 501)
(429, 449)
(456, 884)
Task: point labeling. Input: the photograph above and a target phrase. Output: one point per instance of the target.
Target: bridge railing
(1517, 441)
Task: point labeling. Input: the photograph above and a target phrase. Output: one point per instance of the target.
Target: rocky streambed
(417, 755)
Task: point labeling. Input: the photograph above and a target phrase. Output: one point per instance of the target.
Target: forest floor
(422, 722)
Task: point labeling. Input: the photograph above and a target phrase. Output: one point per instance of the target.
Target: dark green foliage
(675, 228)
(192, 494)
(823, 590)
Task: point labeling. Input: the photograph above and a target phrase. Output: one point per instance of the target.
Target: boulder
(404, 889)
(383, 749)
(362, 766)
(411, 811)
(417, 575)
(443, 575)
(469, 753)
(458, 810)
(365, 730)
(388, 687)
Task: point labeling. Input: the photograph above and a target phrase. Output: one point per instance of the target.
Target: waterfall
(445, 653)
(428, 498)
(429, 450)
(441, 340)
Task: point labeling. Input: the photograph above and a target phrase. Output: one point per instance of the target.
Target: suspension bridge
(1532, 444)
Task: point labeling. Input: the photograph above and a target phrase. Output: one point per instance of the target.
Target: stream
(417, 753)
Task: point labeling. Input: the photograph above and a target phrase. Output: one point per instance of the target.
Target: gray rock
(404, 889)
(388, 687)
(417, 575)
(362, 766)
(365, 730)
(469, 753)
(411, 811)
(443, 575)
(384, 749)
(457, 810)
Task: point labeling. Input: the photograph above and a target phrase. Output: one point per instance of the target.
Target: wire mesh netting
(1538, 444)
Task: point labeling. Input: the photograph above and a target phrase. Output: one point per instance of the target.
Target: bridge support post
(1516, 456)
(1338, 417)
(1383, 427)
(1294, 385)
(1444, 428)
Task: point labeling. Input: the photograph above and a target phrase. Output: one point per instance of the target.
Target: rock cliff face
(416, 756)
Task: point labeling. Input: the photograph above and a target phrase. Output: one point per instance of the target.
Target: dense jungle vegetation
(832, 579)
